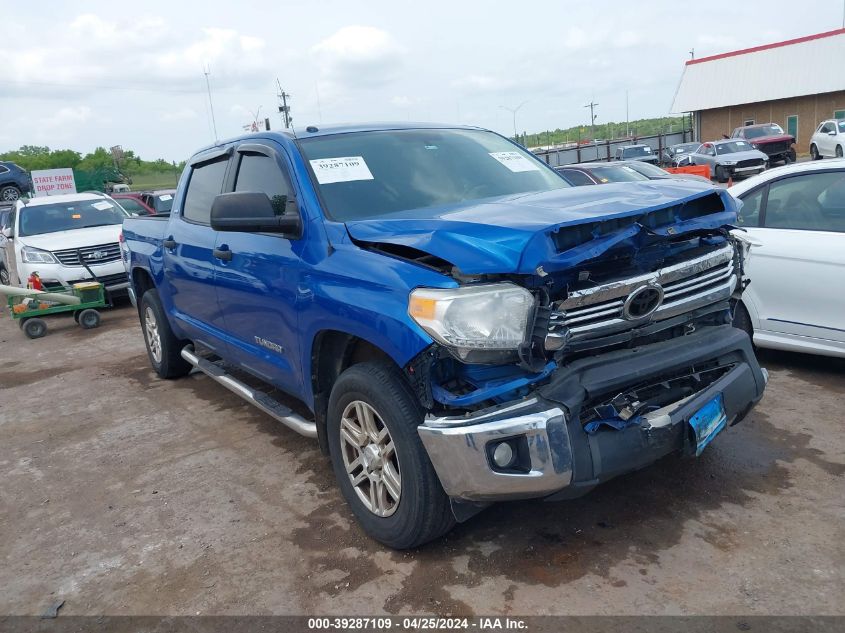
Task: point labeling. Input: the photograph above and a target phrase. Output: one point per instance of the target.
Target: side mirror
(250, 212)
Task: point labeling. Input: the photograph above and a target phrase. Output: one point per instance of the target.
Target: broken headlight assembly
(477, 324)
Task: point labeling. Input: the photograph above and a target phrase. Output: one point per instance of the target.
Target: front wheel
(741, 319)
(5, 277)
(88, 319)
(814, 152)
(720, 174)
(379, 461)
(163, 348)
(34, 328)
(838, 151)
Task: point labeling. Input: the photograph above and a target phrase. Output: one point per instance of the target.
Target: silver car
(728, 159)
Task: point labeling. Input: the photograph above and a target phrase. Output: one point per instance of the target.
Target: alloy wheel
(153, 335)
(370, 460)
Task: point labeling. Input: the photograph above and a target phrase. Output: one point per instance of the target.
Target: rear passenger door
(796, 272)
(189, 257)
(258, 285)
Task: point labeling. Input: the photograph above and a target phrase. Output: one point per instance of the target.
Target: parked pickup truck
(770, 139)
(459, 323)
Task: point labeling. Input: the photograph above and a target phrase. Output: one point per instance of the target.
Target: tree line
(41, 157)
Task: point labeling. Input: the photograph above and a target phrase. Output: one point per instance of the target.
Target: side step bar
(271, 407)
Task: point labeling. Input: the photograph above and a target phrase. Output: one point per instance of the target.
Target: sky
(79, 75)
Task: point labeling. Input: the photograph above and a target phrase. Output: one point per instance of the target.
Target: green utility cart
(29, 309)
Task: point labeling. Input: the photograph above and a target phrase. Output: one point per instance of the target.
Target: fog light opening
(503, 455)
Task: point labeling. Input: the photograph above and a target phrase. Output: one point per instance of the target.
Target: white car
(828, 140)
(795, 215)
(55, 235)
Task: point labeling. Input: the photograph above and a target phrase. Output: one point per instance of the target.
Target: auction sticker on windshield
(514, 161)
(102, 206)
(343, 169)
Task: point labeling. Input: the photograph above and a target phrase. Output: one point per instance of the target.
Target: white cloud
(358, 56)
(180, 114)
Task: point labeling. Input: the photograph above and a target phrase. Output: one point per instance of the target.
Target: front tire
(163, 348)
(34, 328)
(10, 193)
(379, 461)
(720, 174)
(838, 151)
(742, 320)
(5, 277)
(88, 319)
(814, 152)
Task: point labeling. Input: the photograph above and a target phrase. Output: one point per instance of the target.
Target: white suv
(55, 235)
(828, 140)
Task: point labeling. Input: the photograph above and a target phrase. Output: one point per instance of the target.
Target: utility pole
(284, 108)
(593, 116)
(207, 71)
(627, 118)
(513, 111)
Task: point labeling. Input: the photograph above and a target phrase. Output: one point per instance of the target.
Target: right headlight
(32, 255)
(488, 317)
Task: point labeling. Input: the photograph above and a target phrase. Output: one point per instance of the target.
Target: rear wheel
(379, 461)
(5, 277)
(814, 152)
(163, 348)
(34, 328)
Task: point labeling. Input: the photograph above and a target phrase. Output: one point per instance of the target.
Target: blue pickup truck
(459, 325)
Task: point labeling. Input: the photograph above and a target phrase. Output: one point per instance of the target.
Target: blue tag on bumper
(707, 422)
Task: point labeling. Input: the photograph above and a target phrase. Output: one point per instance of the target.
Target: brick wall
(811, 110)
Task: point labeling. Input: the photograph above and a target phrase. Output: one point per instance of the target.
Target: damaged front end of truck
(607, 343)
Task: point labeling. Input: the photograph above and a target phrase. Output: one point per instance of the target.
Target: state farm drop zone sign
(52, 182)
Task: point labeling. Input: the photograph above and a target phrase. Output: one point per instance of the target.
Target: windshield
(67, 216)
(733, 147)
(615, 173)
(367, 175)
(763, 130)
(632, 152)
(648, 170)
(686, 148)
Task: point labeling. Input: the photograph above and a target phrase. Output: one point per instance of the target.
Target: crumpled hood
(515, 234)
(776, 138)
(750, 154)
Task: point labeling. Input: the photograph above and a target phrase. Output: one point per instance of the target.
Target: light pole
(513, 111)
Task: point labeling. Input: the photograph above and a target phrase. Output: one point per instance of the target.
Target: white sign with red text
(52, 182)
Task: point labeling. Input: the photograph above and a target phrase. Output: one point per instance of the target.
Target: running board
(271, 407)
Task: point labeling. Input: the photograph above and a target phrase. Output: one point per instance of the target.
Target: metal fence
(606, 150)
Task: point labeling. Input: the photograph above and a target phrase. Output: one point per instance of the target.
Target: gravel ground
(125, 494)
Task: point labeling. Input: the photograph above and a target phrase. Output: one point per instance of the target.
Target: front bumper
(113, 274)
(564, 459)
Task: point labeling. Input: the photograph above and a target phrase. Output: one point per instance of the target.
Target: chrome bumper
(457, 447)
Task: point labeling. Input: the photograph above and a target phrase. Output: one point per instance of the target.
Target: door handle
(169, 243)
(222, 253)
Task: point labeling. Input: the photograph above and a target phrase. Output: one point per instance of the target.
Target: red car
(770, 139)
(146, 202)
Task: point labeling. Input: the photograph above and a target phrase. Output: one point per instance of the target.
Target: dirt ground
(124, 494)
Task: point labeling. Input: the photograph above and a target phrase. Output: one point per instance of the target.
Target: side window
(4, 169)
(749, 214)
(810, 202)
(260, 173)
(827, 127)
(205, 184)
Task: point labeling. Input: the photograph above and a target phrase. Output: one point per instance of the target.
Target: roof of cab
(336, 128)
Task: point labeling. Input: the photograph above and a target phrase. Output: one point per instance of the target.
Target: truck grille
(774, 148)
(751, 162)
(93, 255)
(621, 305)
